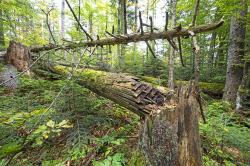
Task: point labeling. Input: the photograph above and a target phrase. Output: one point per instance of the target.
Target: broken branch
(136, 37)
(72, 11)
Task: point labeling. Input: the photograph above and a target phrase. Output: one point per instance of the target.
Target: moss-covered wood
(125, 90)
(212, 89)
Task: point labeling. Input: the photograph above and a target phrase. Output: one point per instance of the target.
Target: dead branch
(141, 24)
(136, 37)
(180, 51)
(72, 11)
(166, 22)
(47, 23)
(150, 49)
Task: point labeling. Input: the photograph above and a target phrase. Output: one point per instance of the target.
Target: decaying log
(184, 32)
(170, 134)
(125, 90)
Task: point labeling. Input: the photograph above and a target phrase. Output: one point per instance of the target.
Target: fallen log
(169, 135)
(184, 32)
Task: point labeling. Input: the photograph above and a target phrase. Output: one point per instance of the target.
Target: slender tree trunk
(235, 54)
(220, 58)
(119, 32)
(63, 19)
(135, 29)
(90, 17)
(122, 17)
(63, 26)
(1, 27)
(172, 51)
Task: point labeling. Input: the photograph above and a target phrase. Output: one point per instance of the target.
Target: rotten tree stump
(170, 137)
(18, 55)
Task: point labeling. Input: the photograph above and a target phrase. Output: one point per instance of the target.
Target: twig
(150, 49)
(146, 25)
(166, 22)
(72, 11)
(111, 34)
(141, 24)
(180, 50)
(172, 43)
(197, 3)
(151, 24)
(47, 23)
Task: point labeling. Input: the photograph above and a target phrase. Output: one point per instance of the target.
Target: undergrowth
(82, 128)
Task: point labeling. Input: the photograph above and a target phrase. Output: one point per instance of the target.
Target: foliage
(224, 137)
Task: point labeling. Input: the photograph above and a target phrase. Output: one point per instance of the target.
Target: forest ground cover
(83, 128)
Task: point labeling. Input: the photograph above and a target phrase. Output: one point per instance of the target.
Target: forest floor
(81, 128)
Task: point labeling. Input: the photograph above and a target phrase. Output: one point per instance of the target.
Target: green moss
(10, 148)
(137, 159)
(1, 67)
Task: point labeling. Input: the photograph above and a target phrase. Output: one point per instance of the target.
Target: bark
(1, 28)
(196, 48)
(124, 10)
(184, 32)
(243, 94)
(235, 54)
(170, 137)
(172, 51)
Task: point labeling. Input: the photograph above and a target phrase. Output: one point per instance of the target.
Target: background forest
(47, 119)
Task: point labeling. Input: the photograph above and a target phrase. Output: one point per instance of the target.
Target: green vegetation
(80, 125)
(50, 120)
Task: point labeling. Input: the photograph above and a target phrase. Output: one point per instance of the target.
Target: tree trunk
(235, 54)
(1, 28)
(243, 94)
(172, 51)
(135, 29)
(63, 19)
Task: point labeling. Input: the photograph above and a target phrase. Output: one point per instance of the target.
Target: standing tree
(235, 53)
(1, 27)
(173, 4)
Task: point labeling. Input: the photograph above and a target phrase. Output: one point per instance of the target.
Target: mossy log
(212, 89)
(169, 135)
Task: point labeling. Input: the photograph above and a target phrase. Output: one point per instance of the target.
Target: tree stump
(170, 137)
(18, 55)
